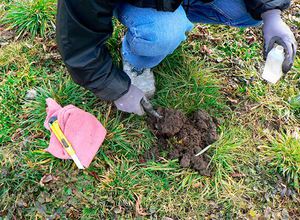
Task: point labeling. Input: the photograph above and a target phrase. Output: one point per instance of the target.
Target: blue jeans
(152, 34)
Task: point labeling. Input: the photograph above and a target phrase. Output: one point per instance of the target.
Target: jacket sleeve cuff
(257, 12)
(116, 88)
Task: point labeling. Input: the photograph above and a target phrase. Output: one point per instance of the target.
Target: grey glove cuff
(271, 15)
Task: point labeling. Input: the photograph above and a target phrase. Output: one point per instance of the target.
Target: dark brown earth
(183, 137)
(6, 36)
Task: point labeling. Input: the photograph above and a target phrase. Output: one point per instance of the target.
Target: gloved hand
(276, 31)
(131, 101)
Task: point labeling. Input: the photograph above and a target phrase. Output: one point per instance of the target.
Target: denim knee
(159, 35)
(152, 41)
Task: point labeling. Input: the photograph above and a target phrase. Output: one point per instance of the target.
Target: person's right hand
(131, 101)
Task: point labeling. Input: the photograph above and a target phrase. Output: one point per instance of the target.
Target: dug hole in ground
(181, 137)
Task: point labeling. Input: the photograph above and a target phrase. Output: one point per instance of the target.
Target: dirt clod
(183, 137)
(171, 123)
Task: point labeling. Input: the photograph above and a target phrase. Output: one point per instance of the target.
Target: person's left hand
(276, 31)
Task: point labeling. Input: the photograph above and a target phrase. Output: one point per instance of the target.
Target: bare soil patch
(183, 137)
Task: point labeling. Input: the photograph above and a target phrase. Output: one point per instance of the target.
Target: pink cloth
(81, 128)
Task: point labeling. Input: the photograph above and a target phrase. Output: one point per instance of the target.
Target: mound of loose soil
(183, 137)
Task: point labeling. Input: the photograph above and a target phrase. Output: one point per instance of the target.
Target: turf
(255, 162)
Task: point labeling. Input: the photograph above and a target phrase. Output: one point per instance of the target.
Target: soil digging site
(183, 137)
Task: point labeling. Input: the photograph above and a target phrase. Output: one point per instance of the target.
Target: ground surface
(183, 138)
(254, 164)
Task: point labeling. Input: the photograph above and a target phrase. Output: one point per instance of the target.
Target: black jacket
(83, 26)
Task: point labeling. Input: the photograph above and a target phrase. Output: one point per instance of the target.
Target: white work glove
(276, 31)
(144, 79)
(131, 101)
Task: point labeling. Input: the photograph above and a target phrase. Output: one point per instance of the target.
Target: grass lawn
(255, 163)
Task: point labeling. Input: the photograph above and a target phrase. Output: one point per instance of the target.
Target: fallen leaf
(206, 50)
(73, 213)
(167, 218)
(16, 135)
(138, 208)
(237, 175)
(251, 39)
(47, 179)
(233, 100)
(3, 213)
(197, 185)
(95, 175)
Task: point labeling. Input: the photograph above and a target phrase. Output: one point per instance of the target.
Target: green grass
(188, 86)
(255, 158)
(34, 17)
(283, 156)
